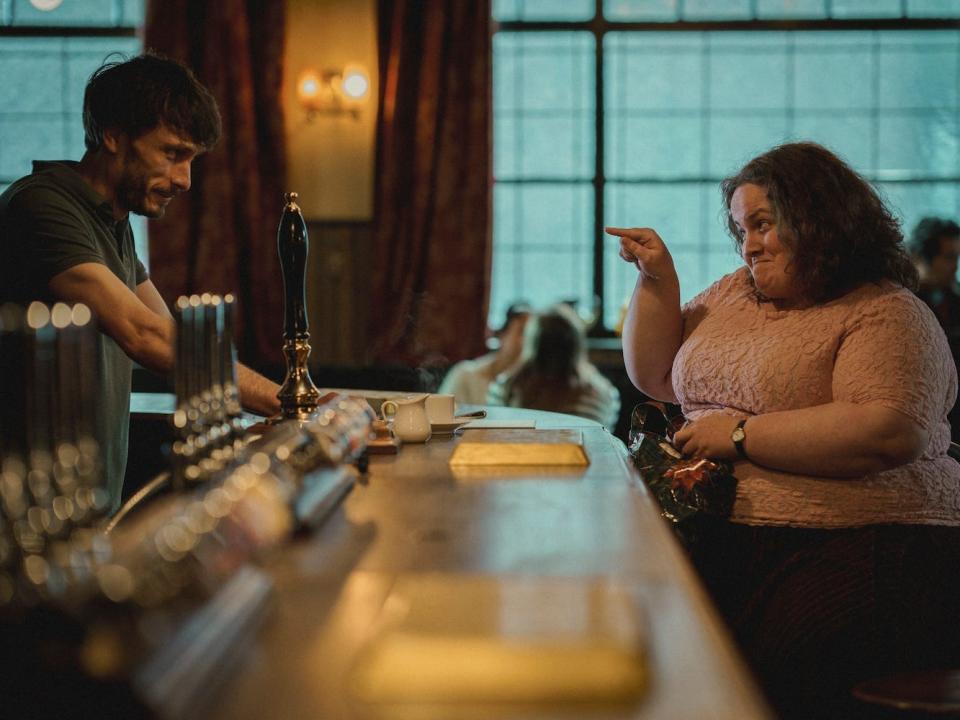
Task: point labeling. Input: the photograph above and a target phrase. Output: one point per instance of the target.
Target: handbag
(686, 488)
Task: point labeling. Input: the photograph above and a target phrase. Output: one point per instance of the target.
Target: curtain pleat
(430, 273)
(221, 236)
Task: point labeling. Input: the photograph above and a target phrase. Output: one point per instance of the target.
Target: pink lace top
(877, 344)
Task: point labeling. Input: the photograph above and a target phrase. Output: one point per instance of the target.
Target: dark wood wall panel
(337, 267)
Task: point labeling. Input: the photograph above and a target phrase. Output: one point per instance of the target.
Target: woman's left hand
(708, 437)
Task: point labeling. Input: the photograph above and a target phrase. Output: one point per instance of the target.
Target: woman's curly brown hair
(839, 230)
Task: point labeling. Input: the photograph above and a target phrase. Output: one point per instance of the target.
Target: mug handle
(384, 409)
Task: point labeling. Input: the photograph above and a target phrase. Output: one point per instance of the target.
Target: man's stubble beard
(132, 193)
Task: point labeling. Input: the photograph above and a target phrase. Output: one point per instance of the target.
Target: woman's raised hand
(644, 249)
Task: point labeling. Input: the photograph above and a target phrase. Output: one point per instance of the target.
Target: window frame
(599, 26)
(122, 29)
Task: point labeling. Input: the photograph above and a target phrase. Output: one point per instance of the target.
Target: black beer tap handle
(292, 245)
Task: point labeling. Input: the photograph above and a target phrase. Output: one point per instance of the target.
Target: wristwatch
(738, 436)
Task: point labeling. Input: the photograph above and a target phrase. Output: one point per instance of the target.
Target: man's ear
(113, 140)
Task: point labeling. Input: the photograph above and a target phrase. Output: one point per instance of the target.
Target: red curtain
(222, 235)
(432, 241)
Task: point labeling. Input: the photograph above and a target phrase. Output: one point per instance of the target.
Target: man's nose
(181, 176)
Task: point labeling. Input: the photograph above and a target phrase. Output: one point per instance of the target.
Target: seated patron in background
(468, 380)
(554, 373)
(65, 230)
(817, 370)
(935, 247)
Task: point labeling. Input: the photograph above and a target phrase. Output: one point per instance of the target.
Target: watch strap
(738, 436)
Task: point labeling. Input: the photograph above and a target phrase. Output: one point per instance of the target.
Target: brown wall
(337, 266)
(330, 163)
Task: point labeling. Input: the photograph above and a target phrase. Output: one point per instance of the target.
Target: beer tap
(231, 391)
(298, 395)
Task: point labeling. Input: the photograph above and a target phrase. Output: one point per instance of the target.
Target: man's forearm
(257, 393)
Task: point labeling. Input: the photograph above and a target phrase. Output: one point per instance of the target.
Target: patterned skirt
(815, 611)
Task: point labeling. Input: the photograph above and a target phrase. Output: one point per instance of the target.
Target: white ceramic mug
(410, 422)
(440, 409)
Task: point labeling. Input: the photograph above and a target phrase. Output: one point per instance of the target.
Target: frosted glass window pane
(507, 144)
(848, 135)
(542, 246)
(735, 140)
(506, 281)
(672, 209)
(544, 105)
(504, 10)
(139, 226)
(692, 272)
(916, 74)
(791, 9)
(543, 71)
(559, 148)
(832, 73)
(913, 201)
(933, 8)
(105, 13)
(553, 215)
(667, 146)
(925, 145)
(132, 13)
(754, 63)
(717, 10)
(653, 10)
(42, 96)
(27, 138)
(32, 80)
(654, 71)
(536, 147)
(554, 275)
(865, 8)
(722, 263)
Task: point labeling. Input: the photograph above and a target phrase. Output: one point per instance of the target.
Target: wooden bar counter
(412, 520)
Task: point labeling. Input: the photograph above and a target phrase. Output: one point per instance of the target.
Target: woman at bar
(828, 381)
(554, 373)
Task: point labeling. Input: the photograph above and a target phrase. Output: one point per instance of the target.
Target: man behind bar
(65, 230)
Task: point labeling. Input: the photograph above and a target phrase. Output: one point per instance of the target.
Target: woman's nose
(751, 244)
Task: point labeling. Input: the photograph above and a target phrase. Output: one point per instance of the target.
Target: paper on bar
(487, 639)
(520, 447)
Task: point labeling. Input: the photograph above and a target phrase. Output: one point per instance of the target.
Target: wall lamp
(334, 91)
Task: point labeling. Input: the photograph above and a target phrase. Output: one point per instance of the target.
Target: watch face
(738, 434)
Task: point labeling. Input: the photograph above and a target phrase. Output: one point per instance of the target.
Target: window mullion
(599, 171)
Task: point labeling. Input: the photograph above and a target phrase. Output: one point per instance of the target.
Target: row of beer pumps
(53, 500)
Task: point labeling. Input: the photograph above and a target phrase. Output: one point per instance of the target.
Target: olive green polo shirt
(50, 221)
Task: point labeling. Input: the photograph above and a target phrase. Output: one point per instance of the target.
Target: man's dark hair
(925, 238)
(839, 230)
(137, 95)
